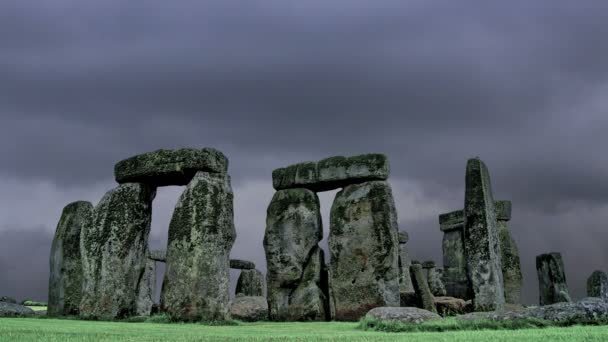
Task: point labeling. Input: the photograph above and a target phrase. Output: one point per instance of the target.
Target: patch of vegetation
(37, 308)
(29, 302)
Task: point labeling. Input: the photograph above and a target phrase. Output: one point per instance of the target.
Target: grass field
(34, 329)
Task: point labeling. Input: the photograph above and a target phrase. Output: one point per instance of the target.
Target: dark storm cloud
(431, 83)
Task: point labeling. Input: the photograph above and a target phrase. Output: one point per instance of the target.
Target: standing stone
(511, 267)
(363, 243)
(421, 285)
(595, 283)
(481, 242)
(551, 279)
(145, 297)
(293, 278)
(65, 281)
(454, 262)
(250, 283)
(406, 288)
(434, 279)
(201, 235)
(115, 252)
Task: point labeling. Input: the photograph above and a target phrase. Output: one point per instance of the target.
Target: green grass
(35, 329)
(37, 308)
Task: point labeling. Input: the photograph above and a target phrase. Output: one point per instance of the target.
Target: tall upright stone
(147, 285)
(434, 279)
(250, 283)
(294, 260)
(421, 285)
(481, 241)
(454, 262)
(114, 252)
(596, 282)
(65, 281)
(406, 288)
(363, 243)
(552, 286)
(201, 235)
(511, 266)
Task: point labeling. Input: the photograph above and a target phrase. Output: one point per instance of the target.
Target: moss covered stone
(294, 267)
(170, 167)
(363, 242)
(332, 173)
(597, 282)
(454, 264)
(424, 295)
(242, 264)
(115, 252)
(201, 235)
(406, 288)
(511, 266)
(250, 283)
(552, 286)
(65, 281)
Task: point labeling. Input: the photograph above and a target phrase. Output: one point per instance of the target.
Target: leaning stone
(421, 286)
(293, 231)
(242, 264)
(596, 281)
(201, 235)
(14, 310)
(551, 279)
(158, 255)
(511, 267)
(170, 167)
(364, 249)
(250, 283)
(65, 281)
(332, 173)
(115, 252)
(249, 308)
(406, 288)
(402, 315)
(450, 306)
(481, 242)
(454, 263)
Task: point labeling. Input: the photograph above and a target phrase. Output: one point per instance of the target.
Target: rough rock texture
(249, 308)
(11, 310)
(158, 255)
(170, 167)
(596, 282)
(242, 264)
(65, 280)
(454, 263)
(552, 286)
(364, 249)
(511, 267)
(250, 283)
(115, 251)
(586, 309)
(435, 283)
(201, 235)
(332, 173)
(295, 288)
(7, 299)
(147, 285)
(425, 297)
(406, 288)
(403, 315)
(450, 306)
(481, 242)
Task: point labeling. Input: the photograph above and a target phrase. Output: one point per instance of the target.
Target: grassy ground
(33, 329)
(38, 308)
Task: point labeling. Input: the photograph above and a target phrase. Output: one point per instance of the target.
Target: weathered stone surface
(403, 237)
(147, 285)
(170, 167)
(586, 309)
(428, 264)
(402, 314)
(12, 310)
(293, 278)
(481, 242)
(65, 280)
(454, 263)
(201, 235)
(406, 288)
(450, 306)
(242, 264)
(115, 251)
(158, 255)
(552, 286)
(596, 282)
(511, 267)
(421, 286)
(435, 283)
(7, 299)
(250, 283)
(249, 309)
(364, 249)
(332, 173)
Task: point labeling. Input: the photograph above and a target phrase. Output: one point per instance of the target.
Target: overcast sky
(521, 84)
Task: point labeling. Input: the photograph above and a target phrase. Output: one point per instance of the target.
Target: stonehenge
(433, 276)
(597, 285)
(424, 296)
(454, 263)
(511, 267)
(552, 286)
(250, 283)
(406, 287)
